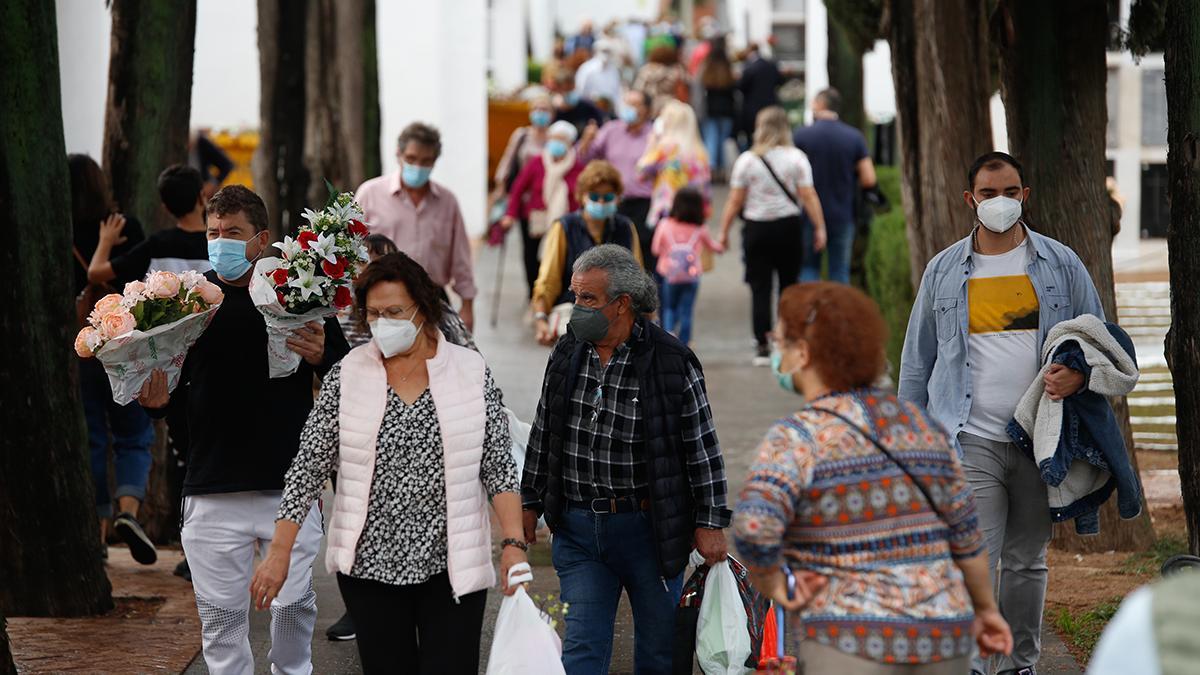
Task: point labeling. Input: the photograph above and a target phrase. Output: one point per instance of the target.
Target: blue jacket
(935, 366)
(1090, 432)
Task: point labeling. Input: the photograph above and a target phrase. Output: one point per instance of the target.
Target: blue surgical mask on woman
(228, 257)
(600, 210)
(556, 148)
(787, 381)
(415, 176)
(572, 98)
(628, 115)
(540, 118)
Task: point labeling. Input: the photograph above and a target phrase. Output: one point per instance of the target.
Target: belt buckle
(606, 503)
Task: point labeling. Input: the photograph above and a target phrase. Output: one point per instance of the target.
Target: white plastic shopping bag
(722, 641)
(523, 642)
(519, 431)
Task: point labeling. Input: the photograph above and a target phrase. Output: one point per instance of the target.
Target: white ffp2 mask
(394, 336)
(998, 214)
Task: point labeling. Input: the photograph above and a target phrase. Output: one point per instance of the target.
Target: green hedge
(888, 273)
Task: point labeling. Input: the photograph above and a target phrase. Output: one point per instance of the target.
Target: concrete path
(745, 401)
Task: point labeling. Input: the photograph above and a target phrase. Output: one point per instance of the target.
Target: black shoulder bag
(791, 197)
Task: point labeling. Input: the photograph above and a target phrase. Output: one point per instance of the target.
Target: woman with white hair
(770, 185)
(544, 190)
(524, 144)
(675, 158)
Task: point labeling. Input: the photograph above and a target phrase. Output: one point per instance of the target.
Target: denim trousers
(132, 435)
(678, 306)
(596, 556)
(1015, 518)
(839, 245)
(715, 131)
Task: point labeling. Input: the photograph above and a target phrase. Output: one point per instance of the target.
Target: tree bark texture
(49, 541)
(280, 176)
(1053, 80)
(1182, 58)
(940, 69)
(149, 101)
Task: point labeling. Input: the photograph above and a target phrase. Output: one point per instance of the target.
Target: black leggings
(414, 629)
(529, 254)
(637, 209)
(772, 251)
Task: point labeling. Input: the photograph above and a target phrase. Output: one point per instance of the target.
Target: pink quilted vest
(456, 378)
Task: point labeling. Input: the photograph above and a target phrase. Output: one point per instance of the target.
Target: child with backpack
(680, 241)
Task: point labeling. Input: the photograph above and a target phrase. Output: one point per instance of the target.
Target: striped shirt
(826, 499)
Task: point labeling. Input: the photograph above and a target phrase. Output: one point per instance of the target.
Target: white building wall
(507, 32)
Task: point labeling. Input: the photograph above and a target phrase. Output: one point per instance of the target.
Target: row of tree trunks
(940, 68)
(49, 540)
(280, 176)
(1053, 77)
(149, 101)
(1182, 61)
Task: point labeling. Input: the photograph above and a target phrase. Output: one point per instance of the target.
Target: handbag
(90, 295)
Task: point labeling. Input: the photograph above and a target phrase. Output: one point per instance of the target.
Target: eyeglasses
(596, 398)
(605, 198)
(395, 312)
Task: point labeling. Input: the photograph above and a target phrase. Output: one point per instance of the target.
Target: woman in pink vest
(416, 430)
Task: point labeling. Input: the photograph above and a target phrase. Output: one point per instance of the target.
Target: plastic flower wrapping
(151, 325)
(312, 278)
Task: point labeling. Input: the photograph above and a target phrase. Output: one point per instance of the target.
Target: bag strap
(887, 453)
(791, 197)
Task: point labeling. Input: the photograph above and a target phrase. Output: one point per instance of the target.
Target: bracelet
(517, 543)
(541, 316)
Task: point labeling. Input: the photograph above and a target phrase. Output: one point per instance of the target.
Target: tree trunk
(49, 541)
(844, 62)
(280, 176)
(940, 68)
(149, 101)
(1182, 58)
(7, 666)
(369, 102)
(1053, 77)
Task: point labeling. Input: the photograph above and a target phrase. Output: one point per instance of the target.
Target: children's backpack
(683, 261)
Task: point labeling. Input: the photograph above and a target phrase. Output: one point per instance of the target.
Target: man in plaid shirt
(624, 463)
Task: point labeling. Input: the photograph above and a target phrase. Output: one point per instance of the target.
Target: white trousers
(220, 536)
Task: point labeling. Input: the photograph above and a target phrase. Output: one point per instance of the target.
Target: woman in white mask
(416, 430)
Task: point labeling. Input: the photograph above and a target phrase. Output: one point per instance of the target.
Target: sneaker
(342, 630)
(132, 533)
(762, 357)
(183, 571)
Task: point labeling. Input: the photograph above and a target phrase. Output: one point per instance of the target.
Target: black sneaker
(762, 357)
(132, 533)
(183, 571)
(342, 630)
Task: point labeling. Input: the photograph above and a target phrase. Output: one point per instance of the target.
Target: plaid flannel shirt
(604, 453)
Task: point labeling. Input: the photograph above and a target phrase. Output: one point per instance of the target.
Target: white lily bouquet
(312, 279)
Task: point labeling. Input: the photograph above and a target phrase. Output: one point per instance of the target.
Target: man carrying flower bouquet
(245, 429)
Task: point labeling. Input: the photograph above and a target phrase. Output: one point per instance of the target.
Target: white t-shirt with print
(764, 198)
(1002, 310)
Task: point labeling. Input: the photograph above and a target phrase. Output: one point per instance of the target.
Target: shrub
(887, 267)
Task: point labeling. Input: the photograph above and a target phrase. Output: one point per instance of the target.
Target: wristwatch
(517, 543)
(541, 316)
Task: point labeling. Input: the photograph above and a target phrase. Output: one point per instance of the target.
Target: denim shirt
(935, 366)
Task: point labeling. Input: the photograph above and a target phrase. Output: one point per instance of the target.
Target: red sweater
(526, 193)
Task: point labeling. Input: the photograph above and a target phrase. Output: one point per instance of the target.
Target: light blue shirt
(935, 366)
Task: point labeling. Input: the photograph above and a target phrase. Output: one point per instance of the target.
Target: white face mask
(998, 214)
(395, 336)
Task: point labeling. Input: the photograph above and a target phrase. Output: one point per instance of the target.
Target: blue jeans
(838, 246)
(132, 435)
(678, 305)
(715, 130)
(595, 557)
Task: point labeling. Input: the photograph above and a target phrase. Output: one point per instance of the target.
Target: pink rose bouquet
(150, 325)
(313, 276)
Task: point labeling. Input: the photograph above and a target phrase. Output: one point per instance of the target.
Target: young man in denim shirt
(972, 349)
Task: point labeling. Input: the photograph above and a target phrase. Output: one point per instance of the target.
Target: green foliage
(889, 281)
(533, 71)
(1148, 563)
(1147, 26)
(1083, 629)
(860, 19)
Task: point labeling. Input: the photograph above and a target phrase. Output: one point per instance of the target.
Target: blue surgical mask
(540, 118)
(228, 258)
(600, 210)
(572, 98)
(786, 381)
(415, 176)
(628, 115)
(556, 148)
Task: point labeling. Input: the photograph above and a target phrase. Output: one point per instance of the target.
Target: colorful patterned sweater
(826, 499)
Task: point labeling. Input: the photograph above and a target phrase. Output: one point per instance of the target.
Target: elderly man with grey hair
(624, 463)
